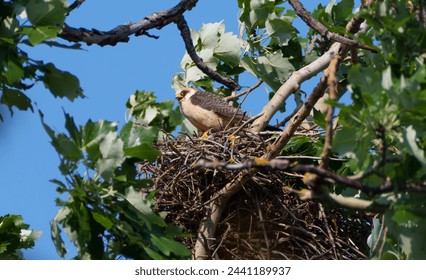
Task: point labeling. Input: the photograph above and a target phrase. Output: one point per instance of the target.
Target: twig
(262, 223)
(285, 165)
(189, 45)
(123, 32)
(332, 91)
(330, 236)
(310, 157)
(232, 97)
(322, 30)
(75, 5)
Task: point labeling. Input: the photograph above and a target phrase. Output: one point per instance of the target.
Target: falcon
(207, 111)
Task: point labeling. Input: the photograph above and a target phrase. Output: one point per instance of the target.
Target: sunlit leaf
(61, 83)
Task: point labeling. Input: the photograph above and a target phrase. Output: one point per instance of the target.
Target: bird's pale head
(185, 92)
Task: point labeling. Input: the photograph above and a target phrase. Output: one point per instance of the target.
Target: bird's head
(185, 93)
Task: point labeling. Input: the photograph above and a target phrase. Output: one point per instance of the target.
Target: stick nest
(262, 221)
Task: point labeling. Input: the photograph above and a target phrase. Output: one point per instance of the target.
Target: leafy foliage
(109, 213)
(18, 71)
(15, 236)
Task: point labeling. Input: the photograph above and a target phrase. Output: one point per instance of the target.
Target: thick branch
(292, 85)
(189, 45)
(322, 30)
(298, 118)
(123, 32)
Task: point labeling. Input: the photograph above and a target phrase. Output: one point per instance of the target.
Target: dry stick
(123, 32)
(330, 235)
(236, 96)
(322, 30)
(75, 5)
(189, 45)
(332, 84)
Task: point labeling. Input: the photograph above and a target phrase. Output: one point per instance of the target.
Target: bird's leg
(205, 134)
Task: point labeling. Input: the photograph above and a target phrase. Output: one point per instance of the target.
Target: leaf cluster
(15, 236)
(27, 23)
(109, 211)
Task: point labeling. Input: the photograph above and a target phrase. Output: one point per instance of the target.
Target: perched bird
(206, 110)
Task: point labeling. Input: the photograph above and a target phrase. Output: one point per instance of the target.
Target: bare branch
(322, 30)
(75, 5)
(292, 85)
(186, 35)
(285, 165)
(230, 98)
(123, 32)
(297, 119)
(332, 90)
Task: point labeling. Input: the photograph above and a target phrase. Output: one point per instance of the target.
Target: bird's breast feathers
(201, 118)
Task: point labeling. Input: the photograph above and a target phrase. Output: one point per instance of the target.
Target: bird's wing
(212, 102)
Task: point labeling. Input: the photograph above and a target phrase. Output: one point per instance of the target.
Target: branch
(123, 32)
(233, 97)
(75, 5)
(297, 119)
(332, 84)
(209, 224)
(286, 166)
(292, 85)
(322, 30)
(189, 45)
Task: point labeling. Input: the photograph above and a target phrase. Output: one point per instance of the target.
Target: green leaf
(14, 71)
(15, 98)
(410, 136)
(93, 132)
(229, 49)
(57, 239)
(273, 68)
(104, 220)
(46, 12)
(192, 72)
(133, 134)
(210, 34)
(408, 226)
(255, 12)
(344, 141)
(138, 200)
(342, 11)
(154, 255)
(111, 149)
(319, 118)
(142, 152)
(8, 27)
(169, 246)
(280, 29)
(38, 34)
(61, 83)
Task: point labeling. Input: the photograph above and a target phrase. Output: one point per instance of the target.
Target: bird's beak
(179, 95)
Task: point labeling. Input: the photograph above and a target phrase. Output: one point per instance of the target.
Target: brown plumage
(206, 110)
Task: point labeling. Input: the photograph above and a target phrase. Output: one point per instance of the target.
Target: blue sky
(108, 76)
